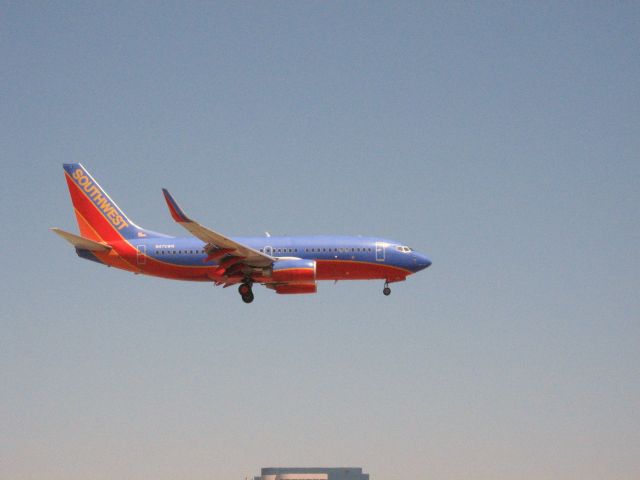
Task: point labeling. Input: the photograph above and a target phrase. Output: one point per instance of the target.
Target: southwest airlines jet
(284, 264)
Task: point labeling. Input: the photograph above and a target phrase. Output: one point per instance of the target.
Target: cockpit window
(404, 249)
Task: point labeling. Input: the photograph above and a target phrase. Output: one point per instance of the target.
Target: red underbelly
(352, 270)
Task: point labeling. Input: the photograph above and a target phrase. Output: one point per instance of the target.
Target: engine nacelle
(295, 289)
(293, 276)
(297, 271)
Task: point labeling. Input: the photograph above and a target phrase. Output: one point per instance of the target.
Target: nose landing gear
(246, 292)
(386, 290)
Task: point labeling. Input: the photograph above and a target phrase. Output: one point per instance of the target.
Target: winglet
(176, 212)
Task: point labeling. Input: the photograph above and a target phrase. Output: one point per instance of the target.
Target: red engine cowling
(294, 271)
(294, 276)
(293, 289)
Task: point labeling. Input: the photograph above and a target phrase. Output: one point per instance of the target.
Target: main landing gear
(386, 290)
(246, 292)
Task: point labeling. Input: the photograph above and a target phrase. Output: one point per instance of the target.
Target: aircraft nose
(422, 261)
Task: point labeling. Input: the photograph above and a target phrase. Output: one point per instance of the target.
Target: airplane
(287, 265)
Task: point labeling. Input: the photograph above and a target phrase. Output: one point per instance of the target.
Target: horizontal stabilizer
(81, 242)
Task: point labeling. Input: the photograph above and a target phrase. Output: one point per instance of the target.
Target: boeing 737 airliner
(284, 264)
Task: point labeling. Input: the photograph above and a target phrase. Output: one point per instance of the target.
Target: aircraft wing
(81, 242)
(218, 245)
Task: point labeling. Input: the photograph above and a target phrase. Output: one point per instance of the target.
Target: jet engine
(293, 289)
(293, 276)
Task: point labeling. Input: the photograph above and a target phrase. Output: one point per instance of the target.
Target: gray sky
(502, 140)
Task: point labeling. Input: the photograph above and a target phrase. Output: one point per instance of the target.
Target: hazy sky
(501, 139)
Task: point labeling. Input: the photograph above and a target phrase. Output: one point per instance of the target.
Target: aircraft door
(141, 255)
(268, 251)
(380, 246)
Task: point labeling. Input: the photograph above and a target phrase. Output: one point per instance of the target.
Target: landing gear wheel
(386, 290)
(248, 298)
(245, 292)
